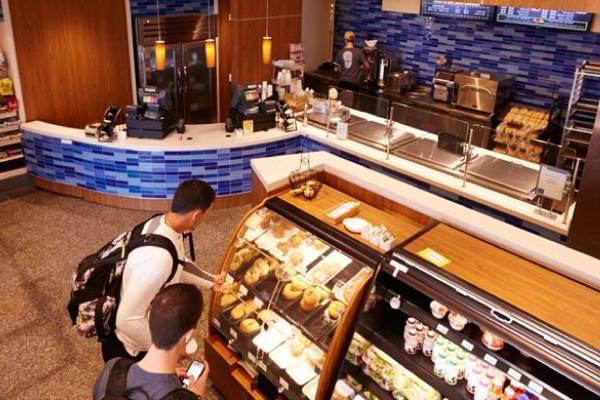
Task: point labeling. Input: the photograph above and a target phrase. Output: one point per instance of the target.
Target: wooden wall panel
(248, 26)
(73, 58)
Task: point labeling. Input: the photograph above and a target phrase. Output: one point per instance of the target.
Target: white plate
(267, 341)
(335, 257)
(310, 389)
(356, 225)
(282, 356)
(302, 372)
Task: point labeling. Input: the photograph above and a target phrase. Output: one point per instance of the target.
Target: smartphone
(194, 371)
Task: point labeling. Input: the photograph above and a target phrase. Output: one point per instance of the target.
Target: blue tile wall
(146, 174)
(543, 60)
(167, 7)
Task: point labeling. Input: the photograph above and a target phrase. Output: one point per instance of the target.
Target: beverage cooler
(191, 87)
(312, 311)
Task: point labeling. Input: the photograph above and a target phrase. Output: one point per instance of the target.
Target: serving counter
(545, 349)
(143, 173)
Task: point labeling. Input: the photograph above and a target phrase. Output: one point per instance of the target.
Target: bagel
(335, 310)
(262, 266)
(292, 292)
(236, 262)
(267, 316)
(252, 276)
(249, 326)
(227, 299)
(310, 299)
(243, 309)
(296, 258)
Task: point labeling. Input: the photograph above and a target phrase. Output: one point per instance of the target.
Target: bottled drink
(474, 377)
(439, 368)
(410, 342)
(440, 344)
(429, 343)
(472, 362)
(420, 335)
(461, 359)
(482, 389)
(451, 373)
(410, 323)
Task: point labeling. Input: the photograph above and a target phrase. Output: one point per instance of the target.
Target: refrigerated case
(542, 329)
(191, 86)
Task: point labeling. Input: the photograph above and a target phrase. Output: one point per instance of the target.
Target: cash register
(151, 119)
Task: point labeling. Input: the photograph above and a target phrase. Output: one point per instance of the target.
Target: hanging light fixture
(267, 43)
(160, 49)
(210, 50)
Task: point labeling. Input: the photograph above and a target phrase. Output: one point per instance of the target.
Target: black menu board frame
(457, 10)
(545, 18)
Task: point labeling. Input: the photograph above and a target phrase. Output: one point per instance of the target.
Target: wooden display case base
(231, 380)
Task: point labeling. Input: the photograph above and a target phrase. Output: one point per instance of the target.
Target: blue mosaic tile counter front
(145, 174)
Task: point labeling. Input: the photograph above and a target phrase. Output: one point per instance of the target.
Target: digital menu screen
(453, 9)
(576, 21)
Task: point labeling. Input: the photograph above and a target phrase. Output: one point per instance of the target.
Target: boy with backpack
(113, 287)
(173, 316)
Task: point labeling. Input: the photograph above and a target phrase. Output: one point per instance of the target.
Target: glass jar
(439, 367)
(451, 373)
(410, 342)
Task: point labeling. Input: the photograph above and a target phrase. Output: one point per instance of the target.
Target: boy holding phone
(173, 316)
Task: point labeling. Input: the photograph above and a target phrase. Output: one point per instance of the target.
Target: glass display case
(290, 287)
(427, 334)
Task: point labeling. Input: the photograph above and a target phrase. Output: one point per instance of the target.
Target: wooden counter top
(402, 225)
(559, 301)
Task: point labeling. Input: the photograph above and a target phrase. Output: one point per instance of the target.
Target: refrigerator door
(199, 88)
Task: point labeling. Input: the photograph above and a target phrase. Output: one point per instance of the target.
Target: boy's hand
(198, 387)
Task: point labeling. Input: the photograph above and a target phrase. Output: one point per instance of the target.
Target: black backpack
(116, 386)
(96, 283)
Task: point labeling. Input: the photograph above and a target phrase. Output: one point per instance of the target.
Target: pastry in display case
(286, 291)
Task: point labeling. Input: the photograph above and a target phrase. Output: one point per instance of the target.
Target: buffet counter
(143, 173)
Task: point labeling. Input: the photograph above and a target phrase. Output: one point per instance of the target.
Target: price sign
(243, 290)
(467, 345)
(536, 387)
(514, 374)
(283, 383)
(442, 329)
(259, 303)
(228, 279)
(262, 365)
(233, 333)
(216, 323)
(491, 360)
(251, 358)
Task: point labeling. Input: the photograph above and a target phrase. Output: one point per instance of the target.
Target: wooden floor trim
(130, 203)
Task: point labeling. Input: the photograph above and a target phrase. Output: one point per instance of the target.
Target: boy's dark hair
(175, 310)
(191, 195)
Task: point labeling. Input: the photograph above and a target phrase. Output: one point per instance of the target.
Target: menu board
(453, 9)
(576, 21)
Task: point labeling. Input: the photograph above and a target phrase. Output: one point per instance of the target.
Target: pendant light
(160, 50)
(210, 50)
(267, 43)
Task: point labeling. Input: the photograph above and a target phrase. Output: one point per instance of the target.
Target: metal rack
(581, 114)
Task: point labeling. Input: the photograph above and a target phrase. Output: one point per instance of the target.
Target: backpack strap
(139, 239)
(116, 386)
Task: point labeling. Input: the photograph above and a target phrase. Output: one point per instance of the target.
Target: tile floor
(42, 237)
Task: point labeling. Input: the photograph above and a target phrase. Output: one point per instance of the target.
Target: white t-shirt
(146, 271)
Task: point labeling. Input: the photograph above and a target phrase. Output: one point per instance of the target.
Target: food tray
(299, 316)
(302, 372)
(310, 389)
(282, 357)
(308, 251)
(269, 339)
(267, 241)
(319, 325)
(238, 273)
(362, 275)
(318, 274)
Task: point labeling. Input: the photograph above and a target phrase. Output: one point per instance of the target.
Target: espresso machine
(384, 65)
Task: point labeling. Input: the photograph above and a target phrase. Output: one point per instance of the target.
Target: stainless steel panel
(374, 134)
(321, 119)
(427, 150)
(507, 174)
